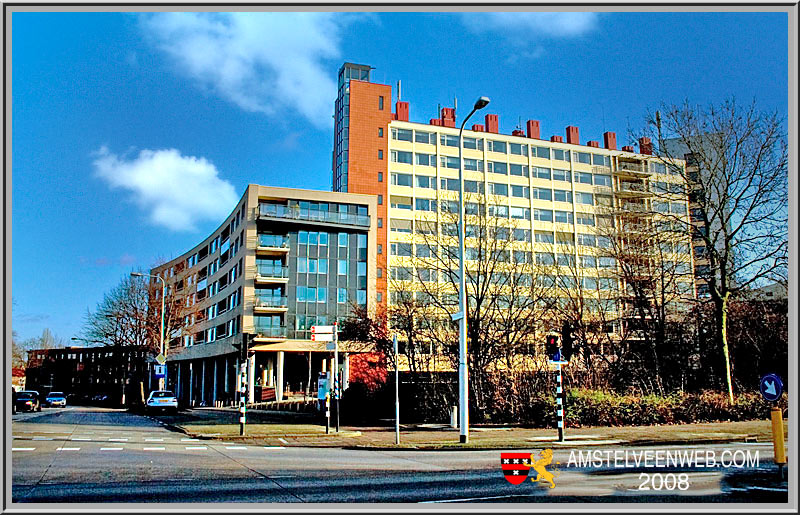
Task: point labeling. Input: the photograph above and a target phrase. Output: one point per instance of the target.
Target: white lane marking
(153, 448)
(81, 439)
(117, 439)
(68, 449)
(189, 440)
(273, 447)
(111, 448)
(196, 448)
(282, 440)
(236, 447)
(23, 448)
(279, 477)
(153, 439)
(41, 438)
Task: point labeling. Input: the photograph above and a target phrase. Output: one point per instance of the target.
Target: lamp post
(463, 373)
(161, 380)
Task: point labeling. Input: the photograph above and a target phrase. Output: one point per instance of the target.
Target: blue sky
(135, 134)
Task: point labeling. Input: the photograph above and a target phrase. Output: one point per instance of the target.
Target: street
(92, 455)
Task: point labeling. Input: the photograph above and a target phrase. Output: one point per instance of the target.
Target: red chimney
(517, 132)
(448, 115)
(478, 128)
(394, 116)
(492, 123)
(610, 140)
(557, 139)
(627, 148)
(645, 146)
(595, 144)
(435, 121)
(533, 129)
(401, 110)
(572, 135)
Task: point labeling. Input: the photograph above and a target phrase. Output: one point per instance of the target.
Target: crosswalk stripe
(153, 448)
(189, 440)
(110, 448)
(23, 448)
(81, 439)
(236, 447)
(68, 449)
(153, 439)
(198, 447)
(117, 439)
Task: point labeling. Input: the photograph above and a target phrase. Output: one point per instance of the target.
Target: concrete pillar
(251, 378)
(346, 372)
(202, 381)
(214, 394)
(227, 385)
(279, 380)
(191, 384)
(178, 389)
(236, 373)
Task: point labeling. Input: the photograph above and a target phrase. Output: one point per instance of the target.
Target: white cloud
(262, 62)
(177, 191)
(536, 24)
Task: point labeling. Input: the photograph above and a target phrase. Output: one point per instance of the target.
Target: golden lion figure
(546, 458)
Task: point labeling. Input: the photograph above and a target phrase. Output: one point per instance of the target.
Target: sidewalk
(299, 429)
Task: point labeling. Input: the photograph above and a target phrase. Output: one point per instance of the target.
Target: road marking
(196, 448)
(68, 449)
(41, 438)
(81, 439)
(282, 440)
(23, 448)
(117, 439)
(111, 448)
(153, 448)
(189, 440)
(273, 447)
(153, 439)
(237, 447)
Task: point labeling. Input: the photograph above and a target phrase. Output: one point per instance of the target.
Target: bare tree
(737, 160)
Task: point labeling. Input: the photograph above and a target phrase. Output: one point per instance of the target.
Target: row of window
(322, 238)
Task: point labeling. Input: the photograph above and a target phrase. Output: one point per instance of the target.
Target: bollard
(777, 439)
(454, 417)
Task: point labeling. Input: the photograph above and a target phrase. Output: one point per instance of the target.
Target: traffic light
(551, 345)
(566, 341)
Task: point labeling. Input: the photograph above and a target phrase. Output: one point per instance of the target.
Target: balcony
(632, 189)
(632, 169)
(271, 273)
(296, 213)
(632, 209)
(270, 304)
(269, 332)
(272, 244)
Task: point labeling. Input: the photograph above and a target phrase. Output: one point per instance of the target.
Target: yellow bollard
(777, 437)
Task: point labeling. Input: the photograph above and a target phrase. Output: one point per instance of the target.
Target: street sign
(771, 387)
(321, 329)
(321, 337)
(322, 386)
(160, 370)
(161, 359)
(331, 345)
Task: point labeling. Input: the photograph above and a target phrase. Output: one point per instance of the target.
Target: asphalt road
(95, 455)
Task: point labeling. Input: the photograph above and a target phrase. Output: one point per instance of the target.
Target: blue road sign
(771, 387)
(557, 355)
(160, 370)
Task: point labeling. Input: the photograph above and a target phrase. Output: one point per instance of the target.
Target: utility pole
(396, 393)
(336, 370)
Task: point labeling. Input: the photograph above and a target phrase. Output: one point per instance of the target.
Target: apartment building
(283, 261)
(556, 192)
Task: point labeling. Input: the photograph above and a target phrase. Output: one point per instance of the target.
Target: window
(341, 295)
(496, 146)
(543, 215)
(401, 249)
(564, 217)
(473, 187)
(583, 177)
(448, 140)
(380, 103)
(449, 184)
(380, 222)
(678, 208)
(472, 208)
(522, 235)
(401, 202)
(425, 137)
(423, 204)
(562, 175)
(542, 173)
(601, 160)
(561, 155)
(380, 200)
(544, 237)
(562, 196)
(602, 180)
(423, 181)
(606, 262)
(520, 191)
(323, 265)
(542, 152)
(341, 266)
(497, 167)
(520, 170)
(565, 238)
(545, 258)
(498, 210)
(343, 239)
(583, 157)
(543, 193)
(399, 156)
(475, 165)
(302, 265)
(380, 132)
(584, 198)
(425, 159)
(401, 179)
(322, 293)
(499, 189)
(448, 206)
(518, 149)
(380, 248)
(380, 154)
(585, 219)
(587, 240)
(402, 273)
(565, 259)
(521, 213)
(658, 168)
(588, 262)
(473, 143)
(604, 242)
(448, 162)
(423, 251)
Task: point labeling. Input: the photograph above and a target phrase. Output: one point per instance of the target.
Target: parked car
(161, 400)
(28, 400)
(13, 400)
(54, 399)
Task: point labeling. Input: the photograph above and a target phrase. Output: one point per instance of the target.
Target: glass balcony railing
(296, 213)
(273, 240)
(272, 271)
(270, 302)
(270, 331)
(633, 187)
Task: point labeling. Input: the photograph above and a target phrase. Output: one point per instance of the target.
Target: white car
(162, 400)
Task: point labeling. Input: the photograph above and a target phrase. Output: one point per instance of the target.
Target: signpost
(561, 396)
(772, 389)
(396, 393)
(330, 333)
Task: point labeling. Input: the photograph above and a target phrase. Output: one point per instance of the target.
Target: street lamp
(463, 374)
(163, 296)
